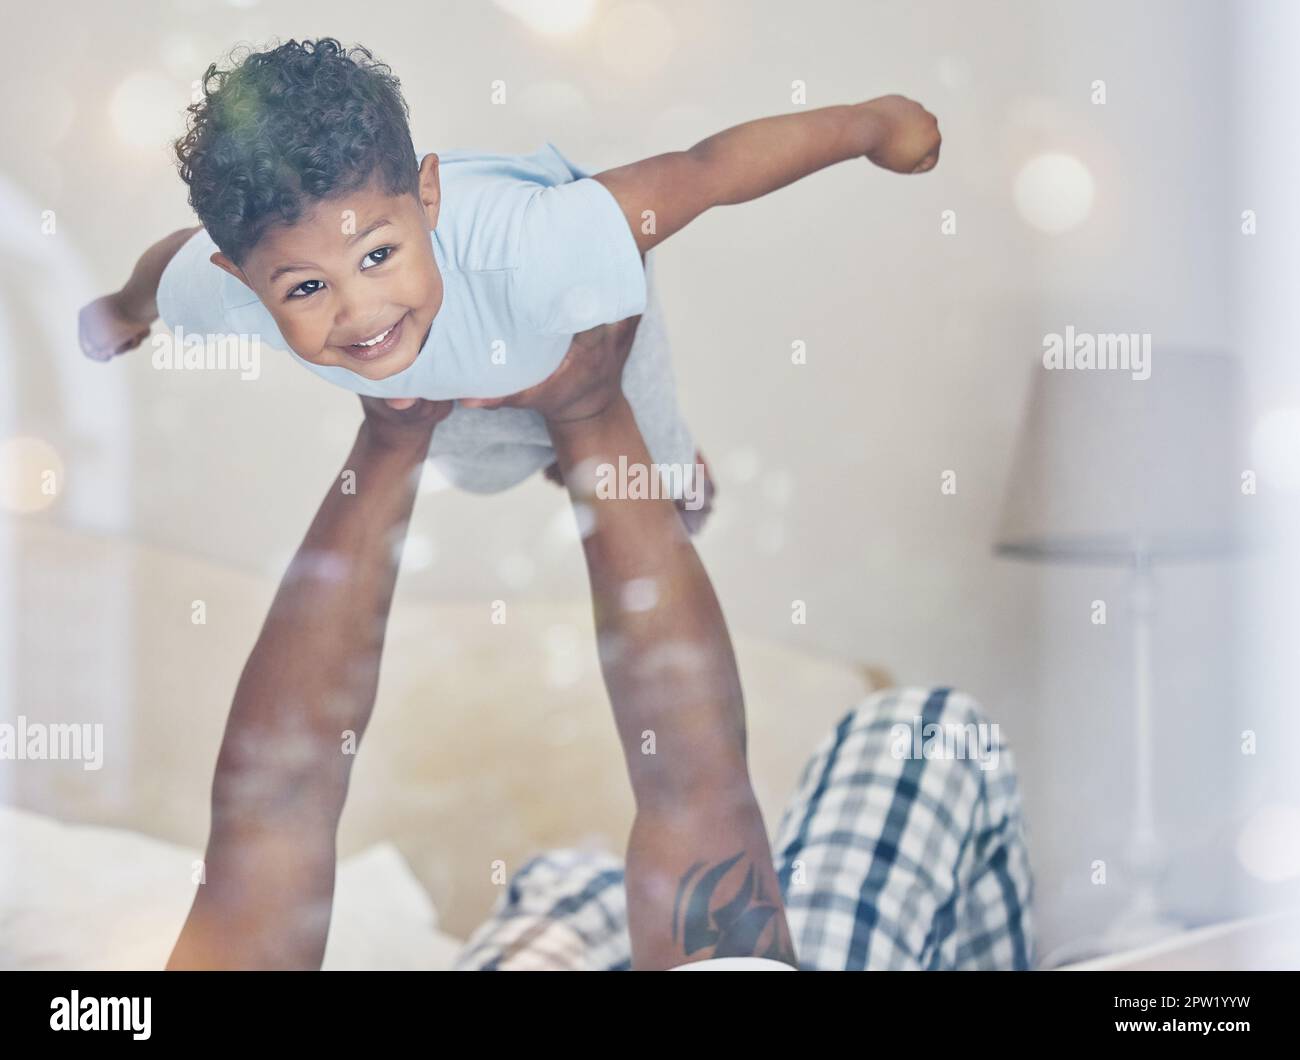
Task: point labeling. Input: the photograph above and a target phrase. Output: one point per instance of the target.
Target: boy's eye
(301, 291)
(377, 257)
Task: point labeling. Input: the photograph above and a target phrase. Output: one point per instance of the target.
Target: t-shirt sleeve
(192, 291)
(578, 263)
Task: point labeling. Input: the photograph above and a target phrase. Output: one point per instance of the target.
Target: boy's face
(355, 269)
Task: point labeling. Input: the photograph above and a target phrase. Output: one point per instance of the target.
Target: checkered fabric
(902, 847)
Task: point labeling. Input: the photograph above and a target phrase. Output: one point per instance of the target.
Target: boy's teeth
(375, 341)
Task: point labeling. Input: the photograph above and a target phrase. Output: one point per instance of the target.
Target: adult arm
(700, 880)
(300, 709)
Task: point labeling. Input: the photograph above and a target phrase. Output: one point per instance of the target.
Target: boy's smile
(385, 342)
(353, 284)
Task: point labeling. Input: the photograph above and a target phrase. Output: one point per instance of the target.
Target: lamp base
(1141, 923)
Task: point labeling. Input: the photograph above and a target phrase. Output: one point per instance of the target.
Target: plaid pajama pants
(887, 858)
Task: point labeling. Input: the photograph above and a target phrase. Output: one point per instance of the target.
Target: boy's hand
(587, 381)
(396, 423)
(109, 326)
(902, 135)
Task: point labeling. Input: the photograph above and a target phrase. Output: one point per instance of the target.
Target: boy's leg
(889, 860)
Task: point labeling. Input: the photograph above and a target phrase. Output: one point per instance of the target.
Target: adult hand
(586, 383)
(402, 422)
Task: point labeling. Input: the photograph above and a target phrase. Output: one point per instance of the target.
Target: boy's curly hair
(298, 122)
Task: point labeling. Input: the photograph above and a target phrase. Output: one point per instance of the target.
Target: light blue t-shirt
(531, 251)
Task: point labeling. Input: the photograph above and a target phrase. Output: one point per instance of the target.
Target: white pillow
(90, 897)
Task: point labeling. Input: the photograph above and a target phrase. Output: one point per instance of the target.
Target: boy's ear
(222, 262)
(430, 189)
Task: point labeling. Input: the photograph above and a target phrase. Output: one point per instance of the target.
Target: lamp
(1122, 471)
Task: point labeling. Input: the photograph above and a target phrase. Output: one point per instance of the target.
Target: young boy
(463, 277)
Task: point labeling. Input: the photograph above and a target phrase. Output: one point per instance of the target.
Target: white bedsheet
(90, 897)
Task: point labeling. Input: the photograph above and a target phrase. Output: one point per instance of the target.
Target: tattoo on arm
(707, 915)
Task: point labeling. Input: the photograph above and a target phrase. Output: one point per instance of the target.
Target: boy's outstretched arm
(120, 321)
(286, 758)
(700, 880)
(748, 161)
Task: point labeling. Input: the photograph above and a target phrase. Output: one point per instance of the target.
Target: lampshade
(1109, 468)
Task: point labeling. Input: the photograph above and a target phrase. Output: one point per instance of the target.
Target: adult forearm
(301, 706)
(700, 881)
(315, 667)
(665, 652)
